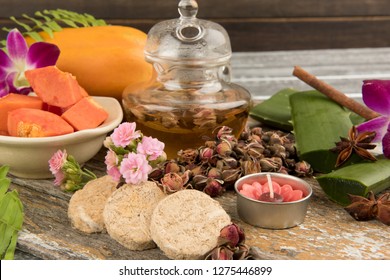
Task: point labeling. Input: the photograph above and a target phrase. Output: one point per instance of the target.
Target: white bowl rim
(115, 117)
(280, 175)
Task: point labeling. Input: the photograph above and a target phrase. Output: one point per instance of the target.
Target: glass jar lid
(187, 39)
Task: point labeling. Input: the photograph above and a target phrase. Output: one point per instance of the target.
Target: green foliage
(50, 21)
(11, 216)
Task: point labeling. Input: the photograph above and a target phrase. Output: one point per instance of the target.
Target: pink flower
(135, 168)
(56, 163)
(19, 57)
(376, 95)
(111, 161)
(150, 147)
(124, 134)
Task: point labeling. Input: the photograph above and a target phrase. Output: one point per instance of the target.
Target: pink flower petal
(151, 148)
(42, 54)
(386, 144)
(379, 125)
(135, 169)
(16, 46)
(5, 64)
(376, 95)
(124, 134)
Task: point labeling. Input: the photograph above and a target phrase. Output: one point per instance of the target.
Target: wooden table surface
(328, 231)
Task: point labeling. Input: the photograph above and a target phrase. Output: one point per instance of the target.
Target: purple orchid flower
(376, 95)
(21, 58)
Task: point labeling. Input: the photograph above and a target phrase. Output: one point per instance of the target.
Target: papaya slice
(85, 114)
(27, 122)
(55, 87)
(14, 101)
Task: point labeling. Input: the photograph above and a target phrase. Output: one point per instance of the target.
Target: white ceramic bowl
(28, 157)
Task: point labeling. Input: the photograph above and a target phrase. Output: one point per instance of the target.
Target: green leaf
(11, 216)
(275, 111)
(357, 179)
(50, 21)
(3, 171)
(318, 124)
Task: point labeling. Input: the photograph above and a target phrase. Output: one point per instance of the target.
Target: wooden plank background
(253, 25)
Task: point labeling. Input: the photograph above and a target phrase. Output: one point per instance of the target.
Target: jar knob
(189, 29)
(188, 8)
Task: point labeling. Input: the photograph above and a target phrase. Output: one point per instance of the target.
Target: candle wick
(270, 185)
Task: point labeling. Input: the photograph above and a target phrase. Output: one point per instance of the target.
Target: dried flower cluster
(363, 209)
(216, 166)
(231, 245)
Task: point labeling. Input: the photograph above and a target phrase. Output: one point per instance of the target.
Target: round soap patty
(187, 224)
(85, 209)
(127, 214)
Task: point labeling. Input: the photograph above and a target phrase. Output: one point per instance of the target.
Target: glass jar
(190, 95)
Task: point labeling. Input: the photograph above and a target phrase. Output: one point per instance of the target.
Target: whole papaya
(104, 59)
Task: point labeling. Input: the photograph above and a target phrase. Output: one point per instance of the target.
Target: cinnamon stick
(334, 94)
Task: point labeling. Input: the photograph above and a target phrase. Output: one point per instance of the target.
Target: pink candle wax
(270, 192)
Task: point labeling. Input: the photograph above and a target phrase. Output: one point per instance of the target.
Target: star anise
(363, 209)
(356, 142)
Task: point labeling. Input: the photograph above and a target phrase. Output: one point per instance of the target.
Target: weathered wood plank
(47, 232)
(264, 73)
(150, 9)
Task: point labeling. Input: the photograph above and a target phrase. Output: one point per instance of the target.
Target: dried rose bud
(220, 253)
(241, 252)
(172, 182)
(250, 167)
(206, 154)
(172, 166)
(224, 149)
(210, 144)
(245, 134)
(187, 155)
(231, 139)
(255, 138)
(230, 162)
(257, 131)
(277, 150)
(199, 182)
(156, 174)
(303, 168)
(197, 170)
(214, 173)
(223, 131)
(232, 235)
(275, 139)
(214, 187)
(270, 164)
(255, 150)
(230, 176)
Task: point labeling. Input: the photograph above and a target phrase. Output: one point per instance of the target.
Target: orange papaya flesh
(85, 114)
(14, 101)
(104, 59)
(53, 109)
(55, 87)
(26, 122)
